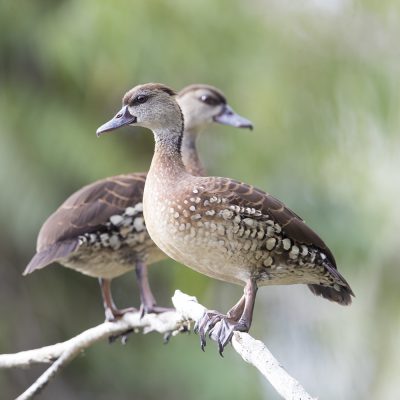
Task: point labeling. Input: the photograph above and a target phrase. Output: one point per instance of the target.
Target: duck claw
(219, 328)
(205, 324)
(222, 333)
(123, 336)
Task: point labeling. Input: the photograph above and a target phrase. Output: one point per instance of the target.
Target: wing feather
(89, 209)
(246, 196)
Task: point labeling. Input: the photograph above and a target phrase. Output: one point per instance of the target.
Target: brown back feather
(244, 195)
(88, 209)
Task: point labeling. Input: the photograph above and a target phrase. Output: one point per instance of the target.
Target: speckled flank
(109, 252)
(210, 230)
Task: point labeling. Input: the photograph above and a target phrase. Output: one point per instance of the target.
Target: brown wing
(88, 209)
(247, 196)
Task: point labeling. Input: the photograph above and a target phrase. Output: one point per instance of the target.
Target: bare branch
(256, 353)
(251, 350)
(187, 309)
(162, 323)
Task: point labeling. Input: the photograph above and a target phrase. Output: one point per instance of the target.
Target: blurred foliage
(320, 80)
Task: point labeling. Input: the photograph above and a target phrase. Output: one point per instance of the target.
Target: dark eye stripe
(210, 100)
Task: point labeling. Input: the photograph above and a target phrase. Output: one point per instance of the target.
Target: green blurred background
(319, 79)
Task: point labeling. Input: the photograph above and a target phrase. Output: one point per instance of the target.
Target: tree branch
(170, 323)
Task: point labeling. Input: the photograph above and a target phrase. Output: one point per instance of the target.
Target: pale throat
(167, 160)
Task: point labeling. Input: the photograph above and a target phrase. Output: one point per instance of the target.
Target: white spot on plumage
(249, 222)
(294, 252)
(268, 261)
(270, 243)
(116, 219)
(286, 243)
(138, 224)
(270, 231)
(226, 214)
(115, 243)
(130, 211)
(237, 219)
(139, 207)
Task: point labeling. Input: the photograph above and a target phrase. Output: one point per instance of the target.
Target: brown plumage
(223, 228)
(86, 211)
(100, 230)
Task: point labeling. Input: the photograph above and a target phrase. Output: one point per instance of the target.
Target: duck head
(203, 105)
(151, 105)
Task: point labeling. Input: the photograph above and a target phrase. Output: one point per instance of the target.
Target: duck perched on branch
(220, 227)
(100, 230)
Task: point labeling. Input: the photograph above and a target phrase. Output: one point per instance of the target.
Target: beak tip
(248, 126)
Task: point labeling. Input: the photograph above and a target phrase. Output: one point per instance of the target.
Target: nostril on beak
(119, 115)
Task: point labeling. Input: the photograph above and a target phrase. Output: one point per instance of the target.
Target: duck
(220, 227)
(100, 230)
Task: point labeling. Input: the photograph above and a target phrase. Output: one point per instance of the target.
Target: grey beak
(122, 118)
(229, 117)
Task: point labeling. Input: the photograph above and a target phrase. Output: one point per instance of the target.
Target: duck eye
(140, 99)
(211, 101)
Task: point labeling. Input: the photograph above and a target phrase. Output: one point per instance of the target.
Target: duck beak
(229, 117)
(122, 118)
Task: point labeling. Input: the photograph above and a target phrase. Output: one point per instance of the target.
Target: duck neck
(190, 156)
(167, 160)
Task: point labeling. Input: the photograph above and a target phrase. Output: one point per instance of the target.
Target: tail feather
(51, 254)
(341, 293)
(341, 296)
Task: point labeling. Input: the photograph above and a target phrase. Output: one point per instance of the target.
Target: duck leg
(110, 309)
(148, 302)
(220, 327)
(223, 330)
(237, 310)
